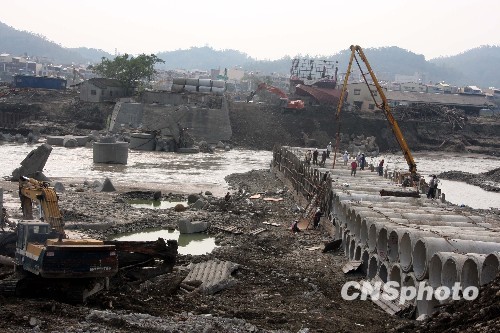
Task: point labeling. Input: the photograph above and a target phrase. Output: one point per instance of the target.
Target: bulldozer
(46, 261)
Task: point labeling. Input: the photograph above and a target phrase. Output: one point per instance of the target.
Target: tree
(129, 70)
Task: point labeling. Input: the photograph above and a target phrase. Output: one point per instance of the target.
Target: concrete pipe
(365, 258)
(425, 248)
(395, 274)
(110, 153)
(408, 280)
(452, 269)
(352, 248)
(368, 221)
(442, 217)
(338, 231)
(471, 270)
(373, 265)
(426, 307)
(436, 268)
(490, 268)
(347, 243)
(382, 242)
(383, 271)
(406, 245)
(358, 252)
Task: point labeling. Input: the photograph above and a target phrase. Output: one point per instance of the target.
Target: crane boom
(356, 49)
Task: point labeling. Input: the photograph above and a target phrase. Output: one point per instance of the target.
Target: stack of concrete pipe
(409, 240)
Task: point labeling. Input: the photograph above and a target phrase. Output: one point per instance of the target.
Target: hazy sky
(264, 29)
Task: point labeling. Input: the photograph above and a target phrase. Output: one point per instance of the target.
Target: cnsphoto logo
(392, 291)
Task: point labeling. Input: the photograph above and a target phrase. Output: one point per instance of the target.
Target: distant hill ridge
(479, 66)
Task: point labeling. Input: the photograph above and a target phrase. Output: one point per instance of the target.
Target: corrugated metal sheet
(27, 81)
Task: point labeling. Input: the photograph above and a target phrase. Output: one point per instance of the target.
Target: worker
(227, 197)
(433, 184)
(354, 166)
(328, 149)
(381, 167)
(345, 157)
(317, 217)
(323, 158)
(295, 226)
(315, 156)
(362, 162)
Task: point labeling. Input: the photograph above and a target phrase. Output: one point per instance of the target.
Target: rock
(192, 198)
(107, 186)
(179, 208)
(199, 204)
(59, 187)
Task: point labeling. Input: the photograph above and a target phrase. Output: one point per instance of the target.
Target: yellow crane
(384, 106)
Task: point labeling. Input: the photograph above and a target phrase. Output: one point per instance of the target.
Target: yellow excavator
(47, 261)
(384, 106)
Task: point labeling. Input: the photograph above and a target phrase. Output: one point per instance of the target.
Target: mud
(285, 283)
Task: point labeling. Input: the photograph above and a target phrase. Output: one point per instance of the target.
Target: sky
(265, 30)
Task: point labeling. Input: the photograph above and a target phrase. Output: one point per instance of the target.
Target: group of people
(314, 157)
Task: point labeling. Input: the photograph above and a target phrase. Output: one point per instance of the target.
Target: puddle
(155, 204)
(193, 244)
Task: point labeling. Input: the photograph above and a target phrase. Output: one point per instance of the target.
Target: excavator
(384, 106)
(47, 261)
(287, 104)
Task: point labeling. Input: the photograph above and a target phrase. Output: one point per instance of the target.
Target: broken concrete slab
(191, 227)
(215, 275)
(33, 162)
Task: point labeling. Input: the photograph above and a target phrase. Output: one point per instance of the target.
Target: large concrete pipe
(425, 248)
(452, 269)
(368, 221)
(396, 275)
(424, 206)
(365, 258)
(373, 237)
(490, 268)
(347, 242)
(471, 270)
(358, 252)
(436, 268)
(383, 271)
(426, 307)
(373, 266)
(406, 245)
(352, 249)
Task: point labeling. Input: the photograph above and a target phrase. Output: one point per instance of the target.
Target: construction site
(66, 273)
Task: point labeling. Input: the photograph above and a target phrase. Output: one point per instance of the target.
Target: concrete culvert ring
(357, 252)
(372, 238)
(347, 243)
(352, 248)
(449, 273)
(395, 275)
(419, 259)
(435, 270)
(382, 243)
(490, 268)
(393, 246)
(372, 266)
(405, 252)
(366, 259)
(382, 272)
(470, 274)
(363, 232)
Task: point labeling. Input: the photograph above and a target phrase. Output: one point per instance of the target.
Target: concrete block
(55, 140)
(215, 275)
(191, 227)
(199, 204)
(33, 162)
(142, 141)
(110, 153)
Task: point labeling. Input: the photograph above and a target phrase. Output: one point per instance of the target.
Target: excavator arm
(356, 49)
(33, 190)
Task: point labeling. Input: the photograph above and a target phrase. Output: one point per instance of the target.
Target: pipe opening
(392, 246)
(425, 307)
(419, 259)
(357, 252)
(365, 258)
(405, 252)
(449, 274)
(382, 272)
(372, 267)
(395, 275)
(382, 243)
(357, 226)
(490, 268)
(347, 243)
(435, 268)
(352, 248)
(372, 238)
(363, 232)
(470, 274)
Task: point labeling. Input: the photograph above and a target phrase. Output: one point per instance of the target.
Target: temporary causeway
(413, 241)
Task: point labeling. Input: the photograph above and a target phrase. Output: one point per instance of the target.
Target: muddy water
(192, 173)
(170, 172)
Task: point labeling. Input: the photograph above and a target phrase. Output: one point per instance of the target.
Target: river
(193, 173)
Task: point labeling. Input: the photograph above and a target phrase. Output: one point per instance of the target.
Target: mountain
(479, 66)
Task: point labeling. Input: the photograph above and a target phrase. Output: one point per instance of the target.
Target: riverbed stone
(191, 227)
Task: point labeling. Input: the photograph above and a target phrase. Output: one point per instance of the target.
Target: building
(101, 90)
(359, 97)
